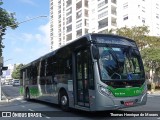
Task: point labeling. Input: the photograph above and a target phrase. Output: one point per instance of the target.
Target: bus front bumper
(113, 103)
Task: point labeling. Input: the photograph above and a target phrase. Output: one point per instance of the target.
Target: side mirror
(95, 52)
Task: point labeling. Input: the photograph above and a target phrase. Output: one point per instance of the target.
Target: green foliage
(16, 72)
(6, 19)
(136, 33)
(151, 55)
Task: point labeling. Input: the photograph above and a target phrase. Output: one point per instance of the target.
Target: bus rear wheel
(64, 101)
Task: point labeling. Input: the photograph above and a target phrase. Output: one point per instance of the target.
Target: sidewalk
(3, 99)
(156, 92)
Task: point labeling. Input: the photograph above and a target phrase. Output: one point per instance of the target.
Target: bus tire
(64, 101)
(27, 96)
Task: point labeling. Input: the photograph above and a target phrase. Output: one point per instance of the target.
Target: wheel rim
(64, 100)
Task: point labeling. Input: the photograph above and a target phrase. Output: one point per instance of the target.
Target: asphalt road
(47, 111)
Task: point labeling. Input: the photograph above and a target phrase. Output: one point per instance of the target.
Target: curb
(153, 93)
(4, 98)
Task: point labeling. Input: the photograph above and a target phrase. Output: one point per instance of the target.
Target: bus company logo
(6, 114)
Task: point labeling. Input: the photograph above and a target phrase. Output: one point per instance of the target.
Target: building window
(143, 20)
(79, 14)
(86, 13)
(69, 12)
(157, 16)
(86, 31)
(113, 10)
(79, 25)
(69, 37)
(86, 3)
(86, 22)
(79, 33)
(68, 2)
(157, 5)
(79, 5)
(114, 1)
(125, 17)
(104, 8)
(102, 3)
(69, 20)
(114, 21)
(125, 5)
(103, 23)
(69, 28)
(103, 14)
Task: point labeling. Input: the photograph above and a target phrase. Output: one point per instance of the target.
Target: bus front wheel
(64, 101)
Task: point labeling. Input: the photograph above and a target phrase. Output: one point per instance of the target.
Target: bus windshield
(120, 62)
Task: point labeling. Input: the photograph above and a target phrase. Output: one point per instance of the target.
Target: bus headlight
(103, 90)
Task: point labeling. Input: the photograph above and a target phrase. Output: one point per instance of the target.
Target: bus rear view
(121, 79)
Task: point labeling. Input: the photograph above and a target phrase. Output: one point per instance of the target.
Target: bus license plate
(129, 103)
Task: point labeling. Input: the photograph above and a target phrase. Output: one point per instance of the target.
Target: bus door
(82, 77)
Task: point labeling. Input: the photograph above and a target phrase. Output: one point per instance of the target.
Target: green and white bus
(95, 72)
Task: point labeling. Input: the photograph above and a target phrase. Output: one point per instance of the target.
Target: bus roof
(90, 37)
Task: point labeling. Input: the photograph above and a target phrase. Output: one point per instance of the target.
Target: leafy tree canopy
(16, 72)
(6, 19)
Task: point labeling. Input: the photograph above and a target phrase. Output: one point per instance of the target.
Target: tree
(151, 57)
(139, 34)
(16, 72)
(6, 19)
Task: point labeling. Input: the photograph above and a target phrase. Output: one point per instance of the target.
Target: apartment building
(103, 15)
(138, 13)
(71, 19)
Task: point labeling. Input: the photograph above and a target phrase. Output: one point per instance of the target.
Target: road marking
(158, 118)
(22, 106)
(48, 117)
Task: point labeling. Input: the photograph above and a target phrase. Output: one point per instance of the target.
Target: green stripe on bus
(126, 92)
(34, 91)
(21, 91)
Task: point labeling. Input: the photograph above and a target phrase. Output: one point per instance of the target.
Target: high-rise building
(103, 15)
(139, 13)
(71, 19)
